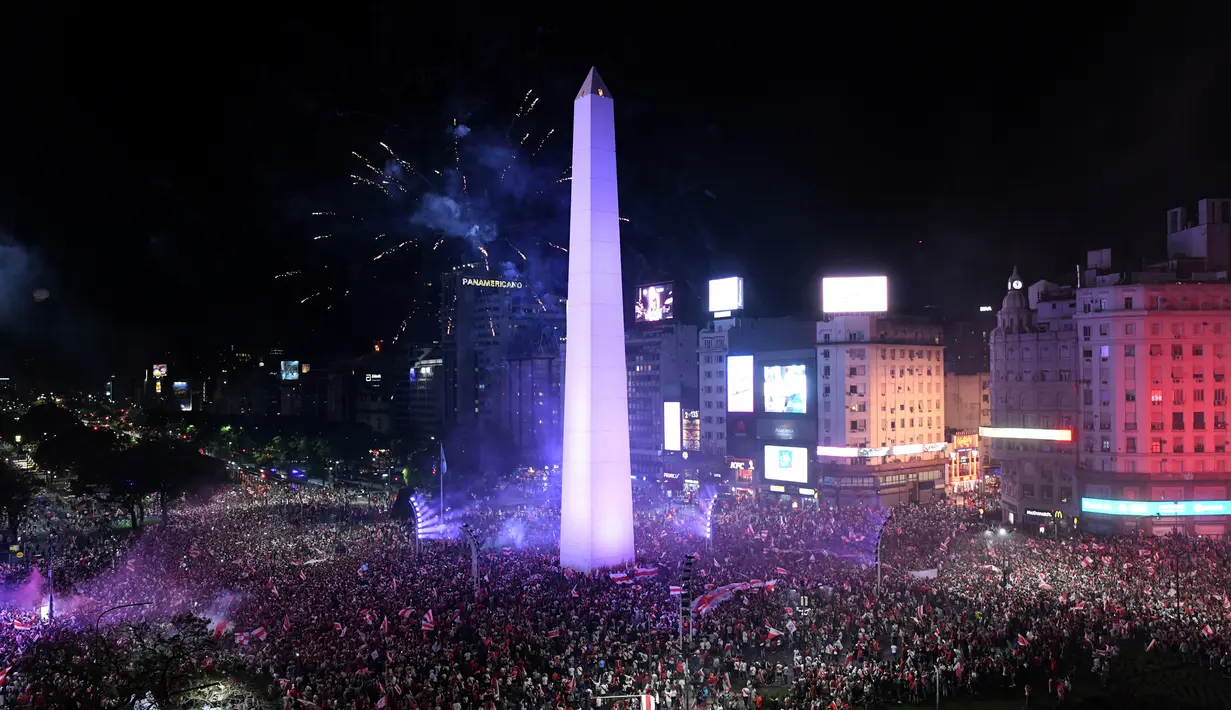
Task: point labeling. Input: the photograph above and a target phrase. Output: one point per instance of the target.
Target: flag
(405, 613)
(573, 592)
(220, 629)
(20, 626)
(1021, 640)
(772, 632)
(337, 626)
(444, 467)
(286, 622)
(620, 578)
(781, 572)
(380, 704)
(506, 550)
(751, 532)
(1207, 631)
(553, 633)
(429, 622)
(363, 568)
(1150, 646)
(302, 577)
(384, 626)
(676, 590)
(645, 571)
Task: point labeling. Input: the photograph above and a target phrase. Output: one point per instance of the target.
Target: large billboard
(290, 369)
(739, 384)
(672, 425)
(179, 390)
(786, 463)
(855, 294)
(655, 303)
(692, 430)
(727, 294)
(786, 389)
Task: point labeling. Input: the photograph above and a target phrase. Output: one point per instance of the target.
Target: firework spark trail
(359, 179)
(491, 324)
(513, 157)
(385, 178)
(323, 214)
(437, 244)
(542, 143)
(541, 304)
(382, 234)
(390, 250)
(519, 251)
(288, 274)
(319, 237)
(408, 166)
(486, 265)
(532, 105)
(309, 298)
(556, 246)
(521, 110)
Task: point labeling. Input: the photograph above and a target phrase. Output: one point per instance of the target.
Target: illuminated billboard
(179, 390)
(655, 303)
(290, 369)
(671, 426)
(788, 464)
(727, 294)
(855, 294)
(159, 371)
(1183, 508)
(739, 384)
(491, 283)
(305, 368)
(786, 389)
(692, 430)
(989, 432)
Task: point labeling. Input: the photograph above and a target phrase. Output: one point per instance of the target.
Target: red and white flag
(676, 590)
(645, 572)
(286, 622)
(429, 622)
(772, 633)
(20, 626)
(1150, 646)
(302, 577)
(405, 613)
(780, 571)
(220, 629)
(620, 578)
(1022, 641)
(384, 626)
(553, 633)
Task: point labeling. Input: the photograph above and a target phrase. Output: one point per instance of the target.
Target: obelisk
(596, 507)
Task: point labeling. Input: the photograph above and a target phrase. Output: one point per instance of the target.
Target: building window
(1198, 350)
(1130, 445)
(1130, 351)
(1128, 303)
(1156, 446)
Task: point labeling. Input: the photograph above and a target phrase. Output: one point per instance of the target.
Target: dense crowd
(319, 596)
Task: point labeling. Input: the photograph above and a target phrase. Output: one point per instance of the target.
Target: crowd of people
(319, 597)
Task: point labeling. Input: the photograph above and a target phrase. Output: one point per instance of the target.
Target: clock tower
(1015, 315)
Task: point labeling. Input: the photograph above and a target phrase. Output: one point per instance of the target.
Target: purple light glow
(596, 515)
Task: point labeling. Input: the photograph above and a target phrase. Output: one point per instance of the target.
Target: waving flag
(384, 626)
(1022, 640)
(676, 590)
(645, 571)
(620, 578)
(286, 622)
(405, 613)
(429, 622)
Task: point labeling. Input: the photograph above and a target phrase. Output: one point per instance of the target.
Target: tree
(46, 421)
(75, 449)
(16, 490)
(163, 467)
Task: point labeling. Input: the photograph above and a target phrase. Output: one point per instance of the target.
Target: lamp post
(121, 606)
(51, 576)
(880, 534)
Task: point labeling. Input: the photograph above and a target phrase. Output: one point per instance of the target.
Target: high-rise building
(968, 401)
(531, 406)
(881, 430)
(596, 509)
(490, 329)
(1122, 424)
(662, 387)
(712, 368)
(419, 402)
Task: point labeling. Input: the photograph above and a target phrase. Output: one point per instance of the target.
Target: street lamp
(880, 534)
(51, 576)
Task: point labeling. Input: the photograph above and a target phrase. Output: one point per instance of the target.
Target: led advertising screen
(655, 303)
(727, 294)
(739, 384)
(786, 389)
(179, 390)
(160, 371)
(290, 369)
(855, 294)
(671, 426)
(786, 463)
(1168, 509)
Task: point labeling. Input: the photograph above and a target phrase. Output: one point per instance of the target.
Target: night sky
(158, 173)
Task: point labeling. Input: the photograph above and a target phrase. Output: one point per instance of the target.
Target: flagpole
(442, 485)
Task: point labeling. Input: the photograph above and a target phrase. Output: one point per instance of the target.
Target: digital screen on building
(739, 384)
(692, 430)
(855, 294)
(786, 389)
(159, 371)
(304, 368)
(655, 303)
(788, 464)
(1168, 509)
(727, 294)
(290, 369)
(672, 426)
(179, 390)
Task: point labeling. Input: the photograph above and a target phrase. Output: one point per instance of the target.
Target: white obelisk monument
(596, 516)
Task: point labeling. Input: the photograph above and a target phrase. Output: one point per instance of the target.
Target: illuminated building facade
(1146, 402)
(712, 365)
(662, 367)
(881, 430)
(596, 508)
(1033, 385)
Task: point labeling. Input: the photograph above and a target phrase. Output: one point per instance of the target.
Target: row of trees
(102, 465)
